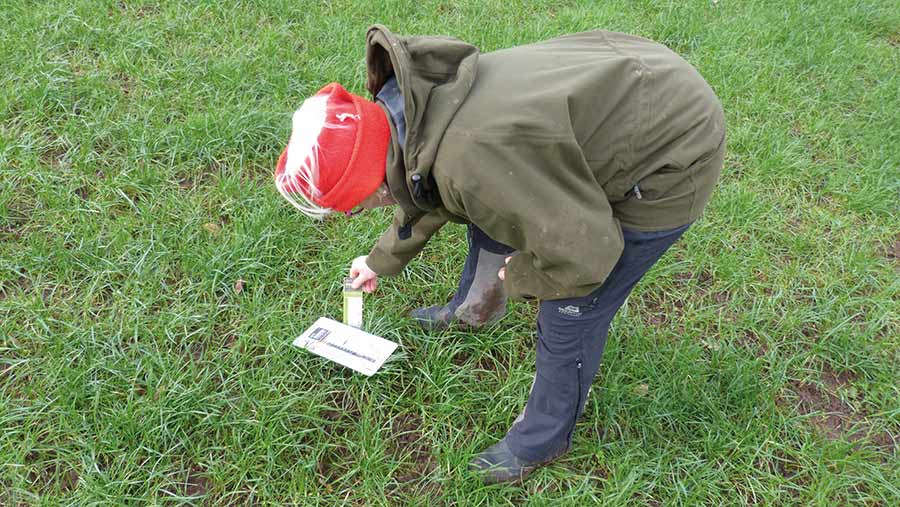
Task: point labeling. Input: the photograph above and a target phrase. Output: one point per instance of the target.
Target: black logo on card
(319, 334)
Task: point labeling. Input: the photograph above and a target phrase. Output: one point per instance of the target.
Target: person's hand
(502, 273)
(363, 276)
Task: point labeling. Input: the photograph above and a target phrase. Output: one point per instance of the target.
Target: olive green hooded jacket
(541, 146)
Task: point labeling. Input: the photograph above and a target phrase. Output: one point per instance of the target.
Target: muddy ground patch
(832, 411)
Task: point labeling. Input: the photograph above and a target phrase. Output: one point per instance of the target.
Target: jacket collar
(431, 72)
(395, 175)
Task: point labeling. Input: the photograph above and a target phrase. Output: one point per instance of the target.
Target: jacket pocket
(673, 180)
(617, 187)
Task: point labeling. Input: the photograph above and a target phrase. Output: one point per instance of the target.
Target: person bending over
(575, 163)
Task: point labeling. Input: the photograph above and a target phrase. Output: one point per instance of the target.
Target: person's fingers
(358, 266)
(360, 280)
(363, 278)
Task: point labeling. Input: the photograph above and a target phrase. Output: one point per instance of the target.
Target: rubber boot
(498, 464)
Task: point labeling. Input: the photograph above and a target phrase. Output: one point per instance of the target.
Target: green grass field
(152, 279)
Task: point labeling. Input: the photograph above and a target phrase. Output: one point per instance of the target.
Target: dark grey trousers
(571, 334)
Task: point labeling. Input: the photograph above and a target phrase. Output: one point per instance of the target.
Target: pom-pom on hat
(337, 153)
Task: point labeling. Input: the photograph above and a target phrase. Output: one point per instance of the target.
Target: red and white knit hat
(337, 152)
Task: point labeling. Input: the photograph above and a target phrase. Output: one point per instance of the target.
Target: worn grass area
(756, 364)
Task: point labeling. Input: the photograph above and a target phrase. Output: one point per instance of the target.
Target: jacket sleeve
(541, 197)
(391, 254)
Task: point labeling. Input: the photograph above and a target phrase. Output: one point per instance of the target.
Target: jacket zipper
(578, 403)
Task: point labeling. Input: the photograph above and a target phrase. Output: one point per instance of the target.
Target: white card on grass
(351, 347)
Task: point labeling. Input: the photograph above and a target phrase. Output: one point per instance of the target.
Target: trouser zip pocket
(577, 402)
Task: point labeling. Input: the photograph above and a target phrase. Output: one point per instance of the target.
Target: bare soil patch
(411, 447)
(69, 480)
(22, 283)
(750, 341)
(832, 416)
(138, 12)
(18, 215)
(703, 279)
(655, 314)
(460, 358)
(45, 473)
(185, 182)
(888, 442)
(488, 367)
(342, 415)
(658, 310)
(54, 157)
(196, 484)
(892, 252)
(894, 40)
(786, 466)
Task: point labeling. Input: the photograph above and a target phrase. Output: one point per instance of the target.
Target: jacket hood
(435, 75)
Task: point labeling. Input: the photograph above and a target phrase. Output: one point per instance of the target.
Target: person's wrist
(381, 264)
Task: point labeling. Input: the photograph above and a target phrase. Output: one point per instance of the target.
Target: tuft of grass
(755, 364)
